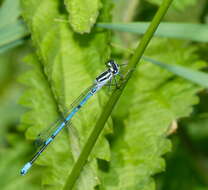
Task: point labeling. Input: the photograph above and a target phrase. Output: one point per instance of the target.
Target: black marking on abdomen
(65, 121)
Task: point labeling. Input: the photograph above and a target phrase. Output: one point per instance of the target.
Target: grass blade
(11, 33)
(194, 76)
(9, 12)
(185, 31)
(108, 108)
(12, 29)
(11, 45)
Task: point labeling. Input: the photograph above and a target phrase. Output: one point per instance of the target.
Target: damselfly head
(113, 67)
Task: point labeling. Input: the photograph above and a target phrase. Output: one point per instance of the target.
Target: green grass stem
(108, 108)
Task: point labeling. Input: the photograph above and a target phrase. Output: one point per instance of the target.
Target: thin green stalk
(108, 108)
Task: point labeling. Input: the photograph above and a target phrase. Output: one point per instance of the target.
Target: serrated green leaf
(185, 31)
(71, 62)
(40, 98)
(82, 14)
(155, 99)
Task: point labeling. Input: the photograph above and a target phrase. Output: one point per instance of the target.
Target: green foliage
(155, 99)
(129, 151)
(64, 56)
(12, 29)
(54, 84)
(189, 152)
(8, 102)
(198, 126)
(9, 89)
(178, 4)
(44, 111)
(11, 159)
(183, 170)
(13, 149)
(82, 14)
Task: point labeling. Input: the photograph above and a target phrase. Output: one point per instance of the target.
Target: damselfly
(103, 79)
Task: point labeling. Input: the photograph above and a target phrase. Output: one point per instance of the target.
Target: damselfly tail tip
(25, 168)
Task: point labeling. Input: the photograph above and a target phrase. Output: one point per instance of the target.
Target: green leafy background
(65, 52)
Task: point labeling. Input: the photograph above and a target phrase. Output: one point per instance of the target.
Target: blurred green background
(186, 165)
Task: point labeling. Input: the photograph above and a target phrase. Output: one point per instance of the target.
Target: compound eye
(110, 63)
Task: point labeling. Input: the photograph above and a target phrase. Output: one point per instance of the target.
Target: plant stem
(108, 108)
